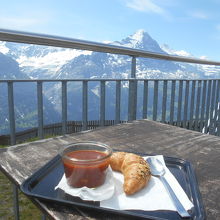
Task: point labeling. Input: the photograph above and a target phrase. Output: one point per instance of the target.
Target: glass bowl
(86, 163)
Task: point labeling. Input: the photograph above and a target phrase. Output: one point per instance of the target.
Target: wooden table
(144, 136)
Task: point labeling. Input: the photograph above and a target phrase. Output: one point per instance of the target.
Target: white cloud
(145, 6)
(199, 14)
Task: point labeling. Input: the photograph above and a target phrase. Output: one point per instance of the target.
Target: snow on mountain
(207, 70)
(168, 50)
(49, 63)
(39, 61)
(101, 65)
(3, 48)
(140, 40)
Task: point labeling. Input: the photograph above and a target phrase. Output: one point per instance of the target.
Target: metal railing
(168, 101)
(192, 103)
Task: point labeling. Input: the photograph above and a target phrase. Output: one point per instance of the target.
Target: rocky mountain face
(22, 61)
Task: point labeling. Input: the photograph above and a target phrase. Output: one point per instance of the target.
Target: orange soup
(91, 174)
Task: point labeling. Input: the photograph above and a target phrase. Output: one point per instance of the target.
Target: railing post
(13, 142)
(203, 106)
(186, 104)
(215, 124)
(133, 67)
(145, 99)
(11, 113)
(85, 105)
(64, 107)
(164, 103)
(208, 101)
(179, 110)
(102, 103)
(40, 110)
(132, 96)
(198, 100)
(155, 101)
(172, 101)
(118, 102)
(212, 108)
(192, 103)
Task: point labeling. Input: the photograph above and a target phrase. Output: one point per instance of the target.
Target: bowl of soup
(86, 163)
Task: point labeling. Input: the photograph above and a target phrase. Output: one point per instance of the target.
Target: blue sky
(190, 25)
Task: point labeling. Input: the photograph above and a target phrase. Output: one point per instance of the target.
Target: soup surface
(90, 174)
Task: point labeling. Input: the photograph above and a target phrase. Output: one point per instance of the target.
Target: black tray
(42, 183)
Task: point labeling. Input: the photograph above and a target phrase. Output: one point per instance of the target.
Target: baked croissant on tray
(135, 169)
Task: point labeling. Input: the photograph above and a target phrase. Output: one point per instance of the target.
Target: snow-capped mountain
(19, 61)
(39, 61)
(54, 62)
(205, 71)
(118, 66)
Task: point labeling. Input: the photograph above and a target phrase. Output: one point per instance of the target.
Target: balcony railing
(192, 104)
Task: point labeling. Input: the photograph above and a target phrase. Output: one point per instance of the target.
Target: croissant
(135, 169)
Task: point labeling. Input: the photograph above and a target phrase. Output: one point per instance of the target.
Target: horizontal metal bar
(96, 80)
(57, 41)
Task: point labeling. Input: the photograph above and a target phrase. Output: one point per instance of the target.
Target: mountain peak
(141, 40)
(138, 35)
